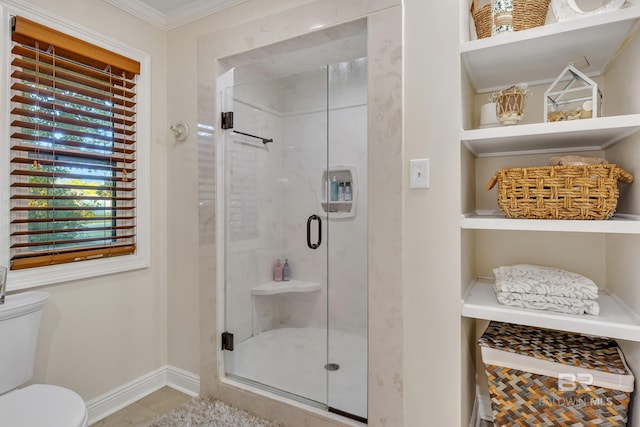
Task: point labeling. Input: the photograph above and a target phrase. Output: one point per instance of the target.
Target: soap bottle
(348, 194)
(277, 272)
(286, 271)
(341, 192)
(334, 189)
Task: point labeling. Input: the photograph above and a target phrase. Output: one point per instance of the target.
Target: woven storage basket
(541, 377)
(559, 192)
(526, 14)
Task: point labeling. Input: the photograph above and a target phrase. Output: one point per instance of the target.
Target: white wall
(98, 334)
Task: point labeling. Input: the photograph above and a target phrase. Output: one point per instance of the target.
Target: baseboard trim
(184, 381)
(114, 400)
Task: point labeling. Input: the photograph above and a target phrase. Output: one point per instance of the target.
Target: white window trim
(41, 276)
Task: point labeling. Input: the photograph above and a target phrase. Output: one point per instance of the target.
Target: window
(73, 149)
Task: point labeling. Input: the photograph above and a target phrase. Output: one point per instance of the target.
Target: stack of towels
(546, 288)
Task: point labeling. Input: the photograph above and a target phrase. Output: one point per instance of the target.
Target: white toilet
(37, 405)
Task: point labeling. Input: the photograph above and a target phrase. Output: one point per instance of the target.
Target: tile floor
(142, 412)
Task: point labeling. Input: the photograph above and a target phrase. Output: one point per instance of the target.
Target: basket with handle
(526, 14)
(559, 192)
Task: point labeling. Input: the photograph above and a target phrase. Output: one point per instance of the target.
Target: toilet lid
(41, 405)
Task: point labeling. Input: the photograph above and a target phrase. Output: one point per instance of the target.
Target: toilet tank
(19, 325)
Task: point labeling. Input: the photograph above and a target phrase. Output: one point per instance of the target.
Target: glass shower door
(348, 272)
(274, 160)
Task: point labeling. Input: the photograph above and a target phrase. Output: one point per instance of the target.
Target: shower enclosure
(292, 182)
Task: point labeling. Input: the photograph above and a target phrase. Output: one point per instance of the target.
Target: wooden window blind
(73, 149)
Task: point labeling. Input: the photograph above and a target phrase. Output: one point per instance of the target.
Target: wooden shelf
(493, 220)
(616, 320)
(274, 288)
(574, 135)
(539, 54)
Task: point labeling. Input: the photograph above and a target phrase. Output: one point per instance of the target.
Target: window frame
(49, 275)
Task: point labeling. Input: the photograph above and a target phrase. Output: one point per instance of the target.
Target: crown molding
(142, 11)
(171, 20)
(197, 10)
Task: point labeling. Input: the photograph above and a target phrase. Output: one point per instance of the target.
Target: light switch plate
(419, 173)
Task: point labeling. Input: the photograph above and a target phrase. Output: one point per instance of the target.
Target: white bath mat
(203, 411)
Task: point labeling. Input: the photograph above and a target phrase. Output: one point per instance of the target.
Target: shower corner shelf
(274, 288)
(340, 208)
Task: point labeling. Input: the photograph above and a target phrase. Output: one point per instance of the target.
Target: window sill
(55, 274)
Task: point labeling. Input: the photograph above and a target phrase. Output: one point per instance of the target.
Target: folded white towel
(551, 303)
(548, 281)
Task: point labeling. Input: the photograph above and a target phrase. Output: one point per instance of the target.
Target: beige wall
(431, 247)
(98, 334)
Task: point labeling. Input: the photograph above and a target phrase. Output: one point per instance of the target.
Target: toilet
(36, 405)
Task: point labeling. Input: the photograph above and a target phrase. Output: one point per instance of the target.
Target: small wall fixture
(181, 131)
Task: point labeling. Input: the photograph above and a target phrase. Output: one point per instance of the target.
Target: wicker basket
(541, 377)
(559, 192)
(526, 14)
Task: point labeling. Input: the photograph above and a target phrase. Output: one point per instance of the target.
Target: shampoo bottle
(334, 189)
(286, 271)
(277, 272)
(348, 194)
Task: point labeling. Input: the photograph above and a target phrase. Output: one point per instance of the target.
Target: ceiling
(169, 14)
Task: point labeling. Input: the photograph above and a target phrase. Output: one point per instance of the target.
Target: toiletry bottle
(286, 271)
(501, 16)
(334, 189)
(348, 194)
(277, 272)
(341, 191)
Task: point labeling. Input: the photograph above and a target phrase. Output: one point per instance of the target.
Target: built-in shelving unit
(576, 135)
(494, 220)
(534, 56)
(615, 320)
(537, 56)
(275, 288)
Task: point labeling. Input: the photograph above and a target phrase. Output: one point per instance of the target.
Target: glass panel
(347, 349)
(272, 194)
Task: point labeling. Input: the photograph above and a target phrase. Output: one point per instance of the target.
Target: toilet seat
(41, 405)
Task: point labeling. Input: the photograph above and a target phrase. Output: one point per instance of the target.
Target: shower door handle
(309, 220)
